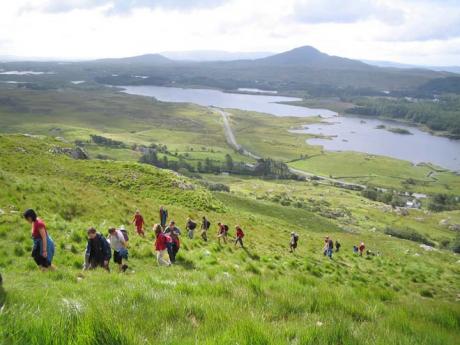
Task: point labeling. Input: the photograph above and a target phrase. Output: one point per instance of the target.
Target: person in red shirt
(361, 248)
(43, 245)
(239, 236)
(138, 221)
(161, 246)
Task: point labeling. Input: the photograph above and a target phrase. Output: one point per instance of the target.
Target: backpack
(226, 228)
(125, 235)
(207, 224)
(191, 225)
(296, 238)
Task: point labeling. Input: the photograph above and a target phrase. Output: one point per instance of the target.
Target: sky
(425, 32)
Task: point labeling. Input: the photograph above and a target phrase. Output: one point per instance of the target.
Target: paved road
(231, 140)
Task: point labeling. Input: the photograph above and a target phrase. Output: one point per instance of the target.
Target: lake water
(25, 73)
(207, 97)
(346, 133)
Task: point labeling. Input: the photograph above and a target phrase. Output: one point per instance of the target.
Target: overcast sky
(409, 31)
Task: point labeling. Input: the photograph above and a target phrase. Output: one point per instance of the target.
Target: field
(215, 294)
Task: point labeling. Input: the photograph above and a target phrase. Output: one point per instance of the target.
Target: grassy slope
(215, 295)
(76, 114)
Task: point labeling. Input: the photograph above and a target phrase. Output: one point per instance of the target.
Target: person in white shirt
(120, 251)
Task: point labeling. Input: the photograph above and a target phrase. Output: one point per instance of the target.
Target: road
(231, 140)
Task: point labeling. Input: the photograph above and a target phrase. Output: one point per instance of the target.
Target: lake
(207, 97)
(345, 133)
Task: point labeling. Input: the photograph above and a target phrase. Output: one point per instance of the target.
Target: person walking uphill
(138, 221)
(98, 252)
(293, 242)
(43, 245)
(160, 246)
(361, 248)
(328, 247)
(239, 236)
(172, 239)
(222, 232)
(163, 217)
(118, 244)
(205, 225)
(190, 226)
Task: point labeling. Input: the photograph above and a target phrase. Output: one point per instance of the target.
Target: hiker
(163, 216)
(172, 239)
(43, 245)
(160, 246)
(118, 244)
(239, 236)
(222, 232)
(355, 249)
(361, 248)
(98, 252)
(205, 225)
(293, 242)
(337, 246)
(138, 221)
(190, 226)
(328, 247)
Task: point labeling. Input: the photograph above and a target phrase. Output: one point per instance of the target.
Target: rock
(319, 323)
(21, 149)
(427, 247)
(444, 222)
(454, 227)
(2, 212)
(75, 153)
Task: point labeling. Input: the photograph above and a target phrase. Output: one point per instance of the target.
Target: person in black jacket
(98, 251)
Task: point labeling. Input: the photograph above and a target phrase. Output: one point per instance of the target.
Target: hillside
(216, 294)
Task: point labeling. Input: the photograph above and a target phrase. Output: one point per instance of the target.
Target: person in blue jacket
(98, 251)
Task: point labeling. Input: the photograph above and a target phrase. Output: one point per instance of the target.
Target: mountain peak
(312, 57)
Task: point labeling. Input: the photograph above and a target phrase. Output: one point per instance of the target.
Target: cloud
(123, 6)
(345, 11)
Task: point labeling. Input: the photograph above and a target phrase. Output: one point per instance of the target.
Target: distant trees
(443, 202)
(442, 114)
(100, 140)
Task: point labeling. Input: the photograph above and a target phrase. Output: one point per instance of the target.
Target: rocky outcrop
(75, 153)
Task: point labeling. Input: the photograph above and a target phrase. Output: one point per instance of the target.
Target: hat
(122, 227)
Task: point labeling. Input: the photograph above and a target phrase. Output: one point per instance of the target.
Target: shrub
(409, 234)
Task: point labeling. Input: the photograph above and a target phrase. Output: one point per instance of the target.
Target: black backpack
(191, 225)
(226, 228)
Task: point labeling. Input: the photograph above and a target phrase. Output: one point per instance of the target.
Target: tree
(228, 162)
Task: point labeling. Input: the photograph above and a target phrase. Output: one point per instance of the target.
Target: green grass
(216, 294)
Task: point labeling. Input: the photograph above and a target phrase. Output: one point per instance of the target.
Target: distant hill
(313, 58)
(213, 55)
(452, 69)
(147, 59)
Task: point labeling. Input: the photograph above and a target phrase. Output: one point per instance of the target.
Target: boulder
(75, 153)
(454, 227)
(444, 222)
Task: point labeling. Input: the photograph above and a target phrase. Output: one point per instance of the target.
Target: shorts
(119, 256)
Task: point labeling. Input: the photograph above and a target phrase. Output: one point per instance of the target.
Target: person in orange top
(138, 221)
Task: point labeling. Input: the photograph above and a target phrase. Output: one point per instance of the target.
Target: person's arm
(42, 232)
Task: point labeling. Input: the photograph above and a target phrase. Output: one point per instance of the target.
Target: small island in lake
(380, 127)
(398, 130)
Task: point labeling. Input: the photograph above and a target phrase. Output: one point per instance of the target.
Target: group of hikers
(101, 249)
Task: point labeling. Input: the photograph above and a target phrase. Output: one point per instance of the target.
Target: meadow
(216, 294)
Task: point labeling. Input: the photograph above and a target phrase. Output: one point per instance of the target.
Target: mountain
(146, 59)
(213, 55)
(451, 69)
(312, 57)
